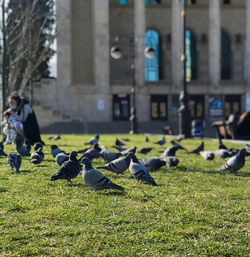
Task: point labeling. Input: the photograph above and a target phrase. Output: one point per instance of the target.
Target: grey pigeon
(37, 156)
(38, 145)
(145, 150)
(23, 148)
(139, 171)
(14, 161)
(146, 139)
(126, 152)
(120, 148)
(207, 155)
(235, 163)
(223, 153)
(93, 140)
(2, 153)
(93, 152)
(117, 166)
(152, 163)
(95, 179)
(161, 141)
(171, 161)
(198, 149)
(55, 150)
(69, 169)
(110, 156)
(170, 151)
(57, 137)
(118, 142)
(61, 158)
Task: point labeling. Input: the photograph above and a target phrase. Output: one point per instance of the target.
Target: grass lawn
(193, 211)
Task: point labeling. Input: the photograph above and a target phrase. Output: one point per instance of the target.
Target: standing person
(26, 125)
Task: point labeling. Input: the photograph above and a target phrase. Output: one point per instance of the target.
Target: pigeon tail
(115, 186)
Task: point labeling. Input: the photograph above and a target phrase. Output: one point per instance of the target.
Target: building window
(190, 56)
(193, 1)
(159, 107)
(225, 56)
(121, 107)
(122, 2)
(226, 1)
(152, 64)
(232, 104)
(196, 107)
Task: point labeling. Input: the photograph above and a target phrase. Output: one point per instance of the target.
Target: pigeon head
(96, 146)
(53, 147)
(86, 162)
(97, 136)
(132, 156)
(162, 162)
(72, 156)
(243, 152)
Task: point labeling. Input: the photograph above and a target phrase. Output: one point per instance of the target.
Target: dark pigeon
(170, 151)
(180, 147)
(126, 139)
(23, 148)
(95, 179)
(145, 150)
(2, 153)
(152, 163)
(69, 169)
(118, 142)
(161, 141)
(37, 156)
(93, 153)
(171, 161)
(120, 148)
(235, 163)
(14, 161)
(146, 139)
(93, 140)
(139, 171)
(198, 149)
(117, 166)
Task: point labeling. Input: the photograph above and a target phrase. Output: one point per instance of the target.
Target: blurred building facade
(93, 88)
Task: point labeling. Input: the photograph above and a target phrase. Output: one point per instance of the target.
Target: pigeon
(23, 148)
(38, 145)
(126, 139)
(14, 161)
(61, 158)
(2, 153)
(95, 179)
(110, 156)
(223, 153)
(69, 169)
(145, 150)
(180, 147)
(55, 150)
(93, 152)
(57, 137)
(37, 156)
(93, 140)
(126, 152)
(235, 163)
(152, 163)
(118, 142)
(161, 141)
(170, 151)
(139, 171)
(117, 166)
(207, 155)
(146, 139)
(120, 148)
(171, 161)
(180, 137)
(198, 149)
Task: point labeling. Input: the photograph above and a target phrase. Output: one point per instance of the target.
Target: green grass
(193, 211)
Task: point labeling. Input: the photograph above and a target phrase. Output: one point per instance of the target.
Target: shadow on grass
(120, 193)
(26, 171)
(3, 190)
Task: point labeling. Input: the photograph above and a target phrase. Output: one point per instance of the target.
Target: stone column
(63, 16)
(177, 45)
(214, 43)
(102, 57)
(248, 40)
(139, 31)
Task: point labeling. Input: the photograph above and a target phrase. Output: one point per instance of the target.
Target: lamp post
(184, 114)
(116, 53)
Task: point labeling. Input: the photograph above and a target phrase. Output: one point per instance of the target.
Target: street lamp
(184, 114)
(116, 53)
